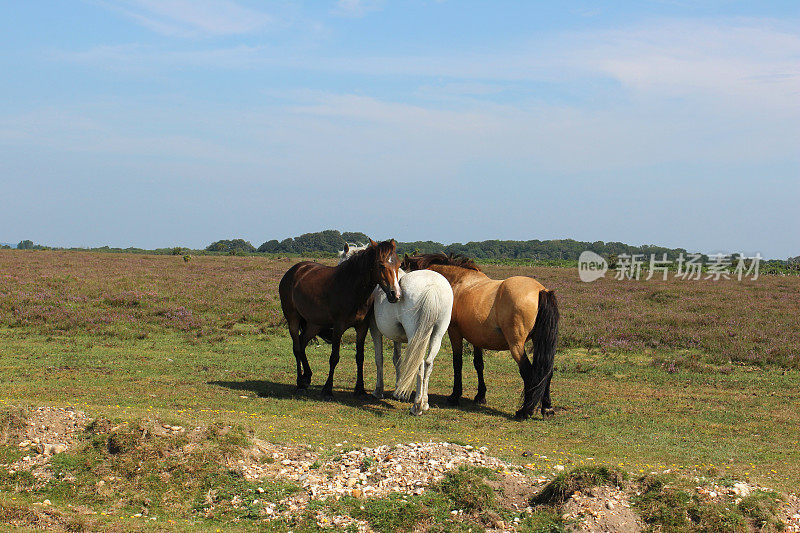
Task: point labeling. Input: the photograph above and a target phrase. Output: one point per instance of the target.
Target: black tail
(544, 335)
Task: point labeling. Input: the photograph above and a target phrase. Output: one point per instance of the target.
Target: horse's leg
(457, 341)
(547, 404)
(396, 356)
(336, 339)
(416, 407)
(308, 333)
(477, 360)
(526, 371)
(377, 342)
(361, 337)
(433, 351)
(297, 349)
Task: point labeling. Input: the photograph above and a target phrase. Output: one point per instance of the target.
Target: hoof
(360, 393)
(302, 385)
(522, 415)
(453, 401)
(548, 413)
(480, 399)
(416, 411)
(327, 395)
(378, 395)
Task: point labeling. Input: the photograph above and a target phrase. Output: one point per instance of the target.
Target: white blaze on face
(395, 280)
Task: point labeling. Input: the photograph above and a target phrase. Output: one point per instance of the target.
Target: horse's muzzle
(391, 295)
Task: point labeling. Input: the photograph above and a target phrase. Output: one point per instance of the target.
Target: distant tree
(355, 236)
(272, 246)
(330, 241)
(25, 245)
(5, 247)
(231, 246)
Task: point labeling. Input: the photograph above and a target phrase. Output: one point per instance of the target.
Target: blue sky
(178, 122)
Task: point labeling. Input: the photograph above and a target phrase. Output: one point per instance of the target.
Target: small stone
(559, 468)
(260, 490)
(610, 505)
(742, 489)
(356, 493)
(46, 502)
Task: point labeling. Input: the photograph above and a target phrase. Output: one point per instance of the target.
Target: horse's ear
(346, 248)
(372, 243)
(394, 244)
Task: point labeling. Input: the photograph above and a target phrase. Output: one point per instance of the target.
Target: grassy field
(692, 376)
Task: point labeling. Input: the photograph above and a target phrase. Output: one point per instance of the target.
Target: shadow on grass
(271, 389)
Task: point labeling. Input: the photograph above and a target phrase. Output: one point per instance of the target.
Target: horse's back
(416, 283)
(491, 313)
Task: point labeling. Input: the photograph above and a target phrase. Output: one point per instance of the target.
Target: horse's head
(409, 263)
(386, 268)
(350, 249)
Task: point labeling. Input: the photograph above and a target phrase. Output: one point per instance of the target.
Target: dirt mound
(41, 433)
(601, 509)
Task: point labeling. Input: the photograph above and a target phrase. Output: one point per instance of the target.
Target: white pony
(421, 318)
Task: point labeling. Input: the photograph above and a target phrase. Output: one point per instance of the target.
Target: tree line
(557, 250)
(329, 242)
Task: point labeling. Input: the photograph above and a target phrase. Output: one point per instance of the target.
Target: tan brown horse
(499, 315)
(322, 300)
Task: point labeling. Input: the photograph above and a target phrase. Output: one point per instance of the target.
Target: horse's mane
(425, 260)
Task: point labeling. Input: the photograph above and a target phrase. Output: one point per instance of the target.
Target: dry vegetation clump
(580, 479)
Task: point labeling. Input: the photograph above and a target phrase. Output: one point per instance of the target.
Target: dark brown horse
(325, 301)
(498, 315)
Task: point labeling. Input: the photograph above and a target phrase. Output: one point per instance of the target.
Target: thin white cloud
(735, 60)
(746, 60)
(191, 17)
